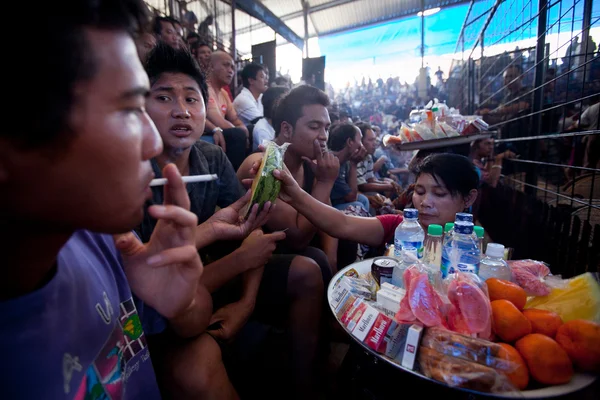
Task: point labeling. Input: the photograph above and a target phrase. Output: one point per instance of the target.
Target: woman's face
(435, 203)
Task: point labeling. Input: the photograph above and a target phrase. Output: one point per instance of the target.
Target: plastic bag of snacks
(422, 302)
(578, 299)
(534, 277)
(470, 311)
(465, 362)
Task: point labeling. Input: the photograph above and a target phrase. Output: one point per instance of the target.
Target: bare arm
(352, 183)
(375, 186)
(219, 272)
(335, 223)
(330, 248)
(232, 117)
(196, 319)
(215, 118)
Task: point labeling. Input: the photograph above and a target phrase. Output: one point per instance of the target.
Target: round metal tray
(579, 381)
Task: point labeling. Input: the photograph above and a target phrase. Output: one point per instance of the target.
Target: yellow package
(580, 299)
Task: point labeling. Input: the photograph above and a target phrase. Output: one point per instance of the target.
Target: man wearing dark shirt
(247, 282)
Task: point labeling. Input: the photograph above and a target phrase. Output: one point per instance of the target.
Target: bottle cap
(411, 213)
(434, 230)
(464, 217)
(464, 228)
(448, 226)
(479, 231)
(495, 250)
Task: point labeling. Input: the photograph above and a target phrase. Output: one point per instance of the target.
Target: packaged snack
(422, 301)
(457, 372)
(470, 311)
(579, 299)
(265, 186)
(534, 277)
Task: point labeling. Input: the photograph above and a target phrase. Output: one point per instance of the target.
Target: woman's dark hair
(339, 136)
(291, 108)
(270, 99)
(457, 173)
(249, 72)
(66, 59)
(164, 59)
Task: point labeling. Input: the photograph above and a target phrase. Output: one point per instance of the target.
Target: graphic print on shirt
(104, 379)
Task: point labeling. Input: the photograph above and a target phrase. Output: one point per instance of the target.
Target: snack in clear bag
(534, 277)
(463, 361)
(265, 186)
(470, 311)
(422, 300)
(578, 299)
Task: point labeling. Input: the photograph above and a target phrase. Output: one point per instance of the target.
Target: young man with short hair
(249, 282)
(248, 103)
(71, 294)
(366, 180)
(165, 31)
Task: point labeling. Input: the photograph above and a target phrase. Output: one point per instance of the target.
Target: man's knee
(196, 367)
(305, 276)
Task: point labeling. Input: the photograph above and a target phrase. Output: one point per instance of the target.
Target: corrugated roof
(333, 16)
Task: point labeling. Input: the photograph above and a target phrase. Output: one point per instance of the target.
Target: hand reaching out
(228, 224)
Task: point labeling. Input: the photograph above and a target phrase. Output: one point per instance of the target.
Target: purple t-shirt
(80, 336)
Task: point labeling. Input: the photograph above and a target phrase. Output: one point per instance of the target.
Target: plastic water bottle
(463, 217)
(461, 252)
(409, 235)
(479, 233)
(448, 229)
(408, 238)
(493, 264)
(432, 254)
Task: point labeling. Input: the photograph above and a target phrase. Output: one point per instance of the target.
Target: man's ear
(286, 131)
(471, 197)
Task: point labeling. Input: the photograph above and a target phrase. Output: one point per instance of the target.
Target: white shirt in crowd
(248, 108)
(262, 131)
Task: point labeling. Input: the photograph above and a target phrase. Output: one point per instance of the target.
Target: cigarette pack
(390, 299)
(412, 344)
(394, 339)
(351, 309)
(376, 335)
(363, 323)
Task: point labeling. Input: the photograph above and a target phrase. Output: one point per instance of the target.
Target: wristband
(497, 166)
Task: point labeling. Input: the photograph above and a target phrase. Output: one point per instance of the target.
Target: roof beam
(262, 13)
(298, 14)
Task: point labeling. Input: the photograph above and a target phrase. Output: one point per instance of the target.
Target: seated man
(248, 103)
(227, 130)
(301, 119)
(165, 31)
(263, 129)
(71, 294)
(202, 53)
(345, 142)
(366, 169)
(288, 286)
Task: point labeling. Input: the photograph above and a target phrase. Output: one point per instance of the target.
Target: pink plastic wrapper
(534, 277)
(470, 311)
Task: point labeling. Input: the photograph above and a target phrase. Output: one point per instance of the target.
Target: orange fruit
(543, 321)
(517, 370)
(508, 322)
(499, 289)
(581, 340)
(548, 363)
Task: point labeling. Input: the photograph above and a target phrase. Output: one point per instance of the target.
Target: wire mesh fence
(531, 68)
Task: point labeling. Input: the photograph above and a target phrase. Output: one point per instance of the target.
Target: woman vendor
(445, 185)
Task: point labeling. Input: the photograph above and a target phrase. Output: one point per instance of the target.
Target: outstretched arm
(364, 230)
